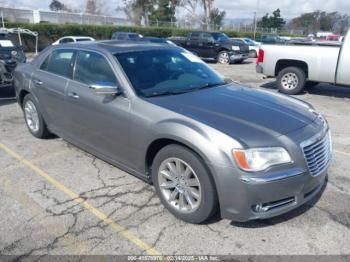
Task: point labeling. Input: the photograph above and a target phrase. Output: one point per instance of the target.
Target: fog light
(259, 208)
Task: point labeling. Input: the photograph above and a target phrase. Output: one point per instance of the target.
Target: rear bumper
(259, 69)
(243, 198)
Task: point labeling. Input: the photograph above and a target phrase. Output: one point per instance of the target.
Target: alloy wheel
(224, 58)
(179, 185)
(31, 116)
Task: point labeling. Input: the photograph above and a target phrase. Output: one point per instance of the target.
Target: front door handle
(73, 95)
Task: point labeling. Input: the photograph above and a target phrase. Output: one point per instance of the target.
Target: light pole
(255, 18)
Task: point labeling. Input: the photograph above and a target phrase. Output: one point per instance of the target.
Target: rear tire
(291, 80)
(189, 192)
(33, 118)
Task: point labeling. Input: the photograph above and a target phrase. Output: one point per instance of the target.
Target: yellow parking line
(341, 152)
(75, 197)
(34, 210)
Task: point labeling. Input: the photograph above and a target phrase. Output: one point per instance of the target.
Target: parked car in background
(271, 39)
(160, 113)
(306, 64)
(73, 39)
(125, 36)
(157, 40)
(214, 46)
(10, 56)
(253, 46)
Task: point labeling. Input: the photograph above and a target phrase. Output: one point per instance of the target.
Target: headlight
(14, 53)
(235, 48)
(258, 159)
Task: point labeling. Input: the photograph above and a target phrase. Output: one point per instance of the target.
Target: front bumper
(243, 199)
(238, 57)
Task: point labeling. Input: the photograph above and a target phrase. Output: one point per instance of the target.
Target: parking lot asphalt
(57, 199)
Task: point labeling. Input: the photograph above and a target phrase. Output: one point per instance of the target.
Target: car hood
(246, 114)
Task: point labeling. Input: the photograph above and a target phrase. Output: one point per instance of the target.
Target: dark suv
(215, 46)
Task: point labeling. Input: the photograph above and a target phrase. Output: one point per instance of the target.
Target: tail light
(260, 58)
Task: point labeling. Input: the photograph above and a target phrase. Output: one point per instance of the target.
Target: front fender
(211, 145)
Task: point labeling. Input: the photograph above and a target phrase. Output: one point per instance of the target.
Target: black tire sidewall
(301, 80)
(42, 132)
(209, 203)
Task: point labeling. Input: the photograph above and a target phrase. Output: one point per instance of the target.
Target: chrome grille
(318, 153)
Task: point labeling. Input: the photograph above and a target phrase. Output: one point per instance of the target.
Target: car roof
(113, 46)
(126, 33)
(76, 37)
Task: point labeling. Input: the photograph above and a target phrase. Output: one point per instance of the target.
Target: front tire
(184, 184)
(33, 118)
(291, 80)
(253, 54)
(223, 58)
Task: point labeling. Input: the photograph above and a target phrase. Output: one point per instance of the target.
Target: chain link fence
(41, 16)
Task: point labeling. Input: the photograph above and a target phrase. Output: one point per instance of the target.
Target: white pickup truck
(302, 65)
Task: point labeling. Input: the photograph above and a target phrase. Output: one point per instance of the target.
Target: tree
(191, 7)
(138, 10)
(58, 6)
(320, 21)
(164, 11)
(92, 7)
(274, 21)
(217, 17)
(207, 8)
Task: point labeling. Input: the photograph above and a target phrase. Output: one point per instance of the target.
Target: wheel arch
(22, 94)
(284, 63)
(159, 143)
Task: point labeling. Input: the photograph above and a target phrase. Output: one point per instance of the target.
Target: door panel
(50, 83)
(100, 122)
(208, 46)
(51, 93)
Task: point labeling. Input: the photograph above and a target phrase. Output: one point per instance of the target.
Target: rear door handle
(38, 82)
(73, 95)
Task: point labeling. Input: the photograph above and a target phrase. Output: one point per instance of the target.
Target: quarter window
(93, 68)
(66, 40)
(59, 63)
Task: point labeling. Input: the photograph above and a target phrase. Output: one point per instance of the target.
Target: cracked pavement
(38, 219)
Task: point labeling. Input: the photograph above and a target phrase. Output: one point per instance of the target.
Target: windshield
(167, 71)
(221, 37)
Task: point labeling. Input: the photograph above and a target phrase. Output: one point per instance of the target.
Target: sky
(234, 8)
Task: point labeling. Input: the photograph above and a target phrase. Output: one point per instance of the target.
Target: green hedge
(49, 33)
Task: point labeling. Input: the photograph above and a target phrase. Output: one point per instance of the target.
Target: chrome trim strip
(272, 178)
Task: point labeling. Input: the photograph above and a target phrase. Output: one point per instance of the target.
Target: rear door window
(60, 62)
(93, 68)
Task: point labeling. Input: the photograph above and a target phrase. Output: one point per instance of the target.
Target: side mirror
(105, 89)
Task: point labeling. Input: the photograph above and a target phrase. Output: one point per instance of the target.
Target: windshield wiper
(165, 93)
(168, 93)
(207, 85)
